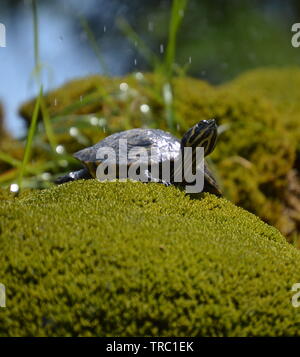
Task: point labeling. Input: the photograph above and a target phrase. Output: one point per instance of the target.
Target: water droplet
(102, 121)
(150, 26)
(223, 127)
(135, 61)
(124, 86)
(55, 102)
(81, 98)
(145, 108)
(167, 93)
(104, 28)
(139, 76)
(161, 48)
(74, 131)
(63, 163)
(14, 187)
(190, 59)
(60, 149)
(46, 176)
(94, 121)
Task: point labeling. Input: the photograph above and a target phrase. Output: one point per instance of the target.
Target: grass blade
(37, 62)
(9, 159)
(94, 44)
(30, 136)
(134, 38)
(48, 125)
(177, 12)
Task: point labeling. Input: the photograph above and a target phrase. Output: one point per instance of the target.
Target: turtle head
(203, 134)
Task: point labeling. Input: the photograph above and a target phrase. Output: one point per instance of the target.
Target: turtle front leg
(73, 176)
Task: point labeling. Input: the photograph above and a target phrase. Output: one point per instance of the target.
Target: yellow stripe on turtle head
(203, 134)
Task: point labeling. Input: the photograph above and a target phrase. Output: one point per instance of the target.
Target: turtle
(161, 146)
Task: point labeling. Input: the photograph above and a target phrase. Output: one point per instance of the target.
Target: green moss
(281, 87)
(59, 100)
(254, 156)
(127, 259)
(5, 195)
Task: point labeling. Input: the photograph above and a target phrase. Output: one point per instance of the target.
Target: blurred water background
(217, 40)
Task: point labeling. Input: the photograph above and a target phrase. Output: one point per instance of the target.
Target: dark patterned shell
(160, 144)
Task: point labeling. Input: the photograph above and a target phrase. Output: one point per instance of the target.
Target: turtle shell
(157, 144)
(160, 144)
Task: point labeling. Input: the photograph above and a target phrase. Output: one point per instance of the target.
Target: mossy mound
(116, 102)
(281, 87)
(127, 259)
(255, 156)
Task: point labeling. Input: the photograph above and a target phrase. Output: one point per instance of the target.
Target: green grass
(166, 67)
(151, 58)
(40, 106)
(177, 13)
(48, 125)
(45, 139)
(37, 60)
(29, 140)
(94, 44)
(9, 159)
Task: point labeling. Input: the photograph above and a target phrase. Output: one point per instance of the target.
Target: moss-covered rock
(254, 155)
(254, 158)
(281, 87)
(127, 259)
(116, 102)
